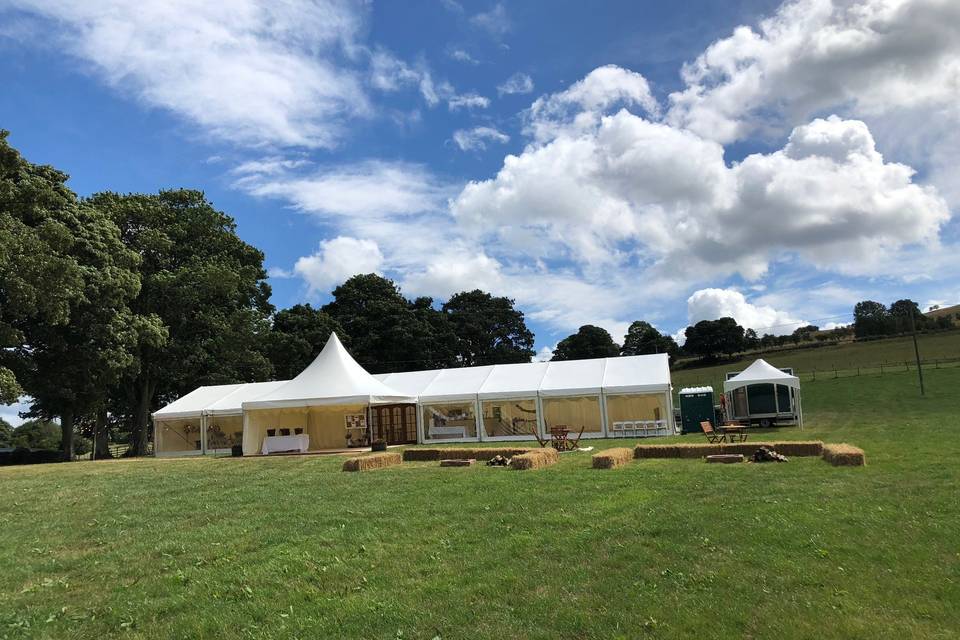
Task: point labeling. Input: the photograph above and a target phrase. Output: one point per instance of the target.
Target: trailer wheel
(766, 422)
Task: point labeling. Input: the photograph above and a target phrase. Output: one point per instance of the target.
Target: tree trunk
(101, 445)
(66, 434)
(138, 439)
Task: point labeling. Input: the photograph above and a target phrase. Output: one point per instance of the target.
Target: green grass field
(846, 357)
(293, 548)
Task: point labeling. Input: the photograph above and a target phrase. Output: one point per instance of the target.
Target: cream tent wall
(317, 400)
(206, 420)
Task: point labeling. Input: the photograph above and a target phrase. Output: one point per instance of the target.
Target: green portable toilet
(696, 406)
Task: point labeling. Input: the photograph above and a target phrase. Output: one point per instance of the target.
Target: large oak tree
(203, 305)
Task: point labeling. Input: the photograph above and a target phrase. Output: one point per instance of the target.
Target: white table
(273, 444)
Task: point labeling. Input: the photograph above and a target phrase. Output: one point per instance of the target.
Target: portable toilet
(696, 406)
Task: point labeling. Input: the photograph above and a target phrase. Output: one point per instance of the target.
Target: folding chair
(712, 436)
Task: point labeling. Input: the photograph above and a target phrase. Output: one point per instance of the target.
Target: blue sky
(598, 162)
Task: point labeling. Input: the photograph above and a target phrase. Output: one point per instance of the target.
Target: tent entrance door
(394, 423)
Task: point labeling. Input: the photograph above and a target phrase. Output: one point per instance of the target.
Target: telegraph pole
(916, 349)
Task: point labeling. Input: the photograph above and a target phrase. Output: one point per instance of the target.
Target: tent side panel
(179, 436)
(574, 413)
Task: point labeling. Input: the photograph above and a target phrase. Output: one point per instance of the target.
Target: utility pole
(916, 349)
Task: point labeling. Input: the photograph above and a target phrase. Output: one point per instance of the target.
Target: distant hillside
(843, 355)
(945, 311)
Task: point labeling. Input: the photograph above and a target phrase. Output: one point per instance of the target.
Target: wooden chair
(712, 436)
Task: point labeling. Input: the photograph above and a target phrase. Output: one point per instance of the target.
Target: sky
(600, 163)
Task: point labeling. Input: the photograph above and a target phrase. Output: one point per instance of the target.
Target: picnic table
(734, 430)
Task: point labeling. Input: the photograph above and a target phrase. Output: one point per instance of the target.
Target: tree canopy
(588, 342)
(387, 332)
(710, 338)
(489, 329)
(870, 318)
(203, 307)
(643, 338)
(296, 337)
(40, 277)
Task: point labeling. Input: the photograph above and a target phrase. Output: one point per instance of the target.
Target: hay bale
(612, 458)
(799, 448)
(418, 454)
(534, 459)
(374, 461)
(845, 455)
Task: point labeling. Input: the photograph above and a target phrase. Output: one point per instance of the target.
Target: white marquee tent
(762, 372)
(493, 402)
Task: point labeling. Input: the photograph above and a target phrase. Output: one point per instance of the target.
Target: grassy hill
(291, 547)
(844, 356)
(945, 311)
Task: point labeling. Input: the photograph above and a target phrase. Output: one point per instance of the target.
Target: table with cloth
(275, 444)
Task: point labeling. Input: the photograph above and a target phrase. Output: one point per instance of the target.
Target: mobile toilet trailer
(764, 395)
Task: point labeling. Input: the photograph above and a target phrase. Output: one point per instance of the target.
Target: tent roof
(410, 382)
(761, 372)
(513, 380)
(232, 404)
(334, 377)
(192, 404)
(456, 384)
(637, 374)
(573, 377)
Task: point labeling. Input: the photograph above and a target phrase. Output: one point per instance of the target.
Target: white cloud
(250, 72)
(710, 304)
(893, 63)
(580, 106)
(814, 54)
(389, 73)
(517, 83)
(467, 101)
(630, 190)
(476, 139)
(337, 260)
(461, 55)
(372, 189)
(495, 21)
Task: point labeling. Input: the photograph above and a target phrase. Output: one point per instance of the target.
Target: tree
(6, 434)
(296, 337)
(39, 276)
(642, 338)
(67, 367)
(750, 339)
(37, 434)
(870, 319)
(388, 332)
(900, 312)
(489, 329)
(202, 312)
(588, 342)
(710, 338)
(804, 333)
